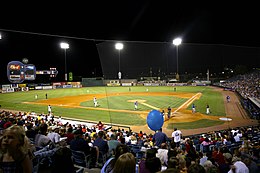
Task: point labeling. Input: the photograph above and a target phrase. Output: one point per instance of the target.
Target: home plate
(225, 119)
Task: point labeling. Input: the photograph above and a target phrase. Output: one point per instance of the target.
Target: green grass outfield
(15, 101)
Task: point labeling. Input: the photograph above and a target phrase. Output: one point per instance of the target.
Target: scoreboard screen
(17, 72)
(29, 72)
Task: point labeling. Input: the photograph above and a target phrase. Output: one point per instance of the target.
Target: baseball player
(136, 105)
(193, 108)
(207, 109)
(95, 102)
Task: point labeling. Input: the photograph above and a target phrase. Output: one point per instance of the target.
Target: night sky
(212, 35)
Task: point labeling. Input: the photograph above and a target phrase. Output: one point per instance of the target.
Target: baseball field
(116, 106)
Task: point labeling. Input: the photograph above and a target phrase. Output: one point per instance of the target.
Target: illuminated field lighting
(119, 47)
(177, 42)
(65, 46)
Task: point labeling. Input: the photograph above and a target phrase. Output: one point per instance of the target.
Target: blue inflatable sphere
(155, 120)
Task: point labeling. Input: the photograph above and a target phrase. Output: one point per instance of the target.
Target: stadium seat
(79, 158)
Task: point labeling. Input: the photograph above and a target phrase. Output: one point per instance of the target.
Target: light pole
(177, 42)
(119, 47)
(65, 46)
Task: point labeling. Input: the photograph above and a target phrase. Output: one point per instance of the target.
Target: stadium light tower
(119, 47)
(177, 42)
(65, 46)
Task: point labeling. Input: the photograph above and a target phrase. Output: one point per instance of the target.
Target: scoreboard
(17, 72)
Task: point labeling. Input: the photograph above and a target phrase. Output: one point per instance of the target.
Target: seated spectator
(54, 134)
(41, 140)
(226, 165)
(102, 146)
(173, 162)
(112, 144)
(252, 166)
(151, 163)
(196, 168)
(125, 164)
(110, 163)
(239, 166)
(217, 155)
(162, 154)
(69, 135)
(100, 125)
(30, 132)
(14, 151)
(62, 161)
(78, 143)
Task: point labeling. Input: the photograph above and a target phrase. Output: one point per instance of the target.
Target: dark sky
(34, 31)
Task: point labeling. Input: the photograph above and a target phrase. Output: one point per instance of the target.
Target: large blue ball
(155, 120)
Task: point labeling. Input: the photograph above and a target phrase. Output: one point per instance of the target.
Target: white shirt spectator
(54, 136)
(233, 131)
(240, 168)
(176, 135)
(237, 138)
(162, 154)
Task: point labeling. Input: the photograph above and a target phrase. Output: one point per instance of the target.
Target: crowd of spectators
(52, 144)
(247, 85)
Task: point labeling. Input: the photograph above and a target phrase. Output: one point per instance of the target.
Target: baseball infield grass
(112, 100)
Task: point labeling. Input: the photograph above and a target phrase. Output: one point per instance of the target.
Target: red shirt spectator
(100, 125)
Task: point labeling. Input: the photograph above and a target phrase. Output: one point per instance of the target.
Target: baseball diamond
(116, 106)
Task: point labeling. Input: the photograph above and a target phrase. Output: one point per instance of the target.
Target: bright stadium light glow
(65, 46)
(119, 47)
(177, 42)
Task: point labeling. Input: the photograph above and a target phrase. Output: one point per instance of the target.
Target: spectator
(69, 135)
(54, 134)
(151, 163)
(79, 144)
(176, 135)
(110, 163)
(100, 125)
(196, 168)
(162, 154)
(62, 161)
(125, 164)
(159, 137)
(41, 140)
(112, 144)
(14, 151)
(102, 146)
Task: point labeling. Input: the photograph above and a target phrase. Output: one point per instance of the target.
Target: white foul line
(188, 102)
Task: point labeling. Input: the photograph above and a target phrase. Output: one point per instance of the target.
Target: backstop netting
(161, 59)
